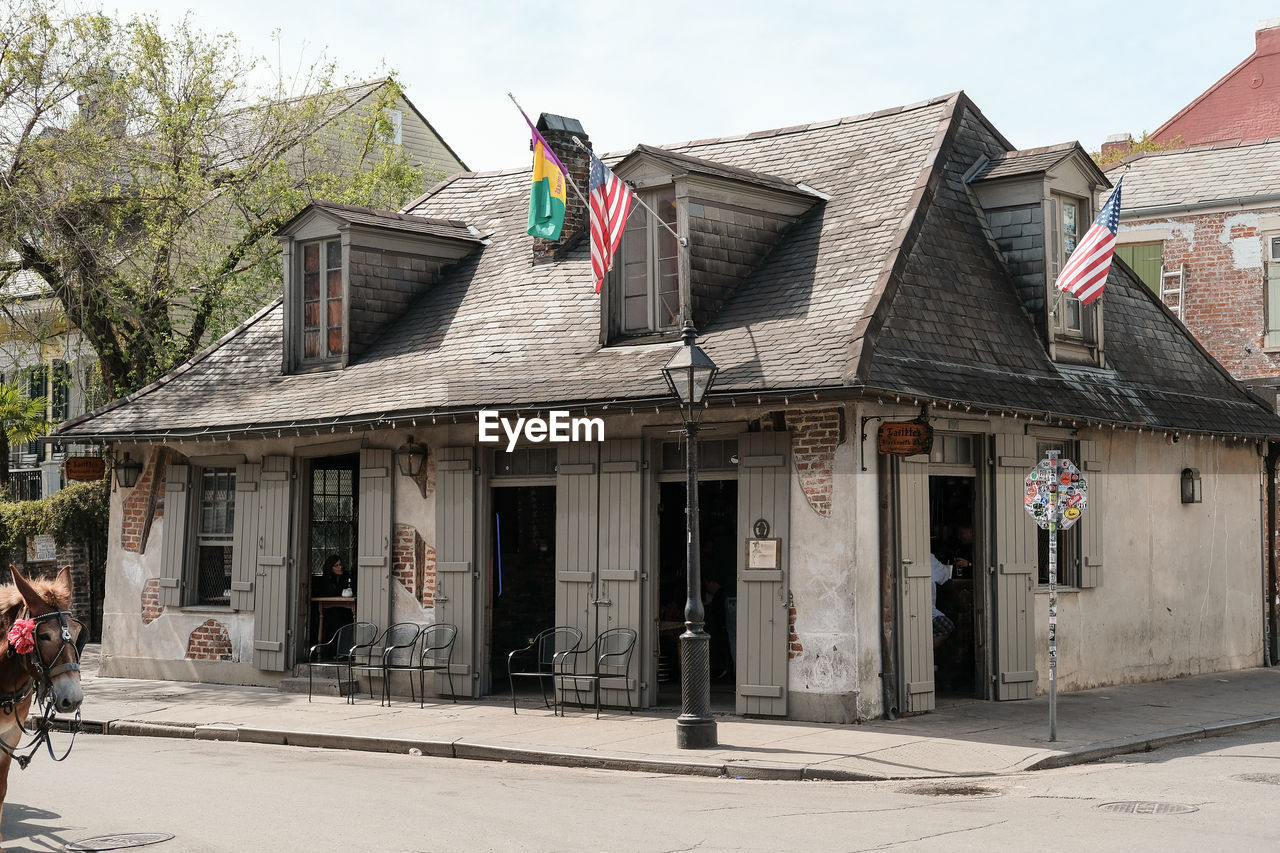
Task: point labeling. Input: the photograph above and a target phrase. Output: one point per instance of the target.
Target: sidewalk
(962, 739)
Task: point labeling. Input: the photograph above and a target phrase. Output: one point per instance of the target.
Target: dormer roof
(1034, 161)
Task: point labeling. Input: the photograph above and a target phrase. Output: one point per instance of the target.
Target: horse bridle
(50, 672)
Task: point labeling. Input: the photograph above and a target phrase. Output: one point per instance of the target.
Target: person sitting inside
(334, 581)
(943, 627)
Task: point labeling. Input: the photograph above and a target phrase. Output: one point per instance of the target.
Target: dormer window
(321, 300)
(647, 272)
(1073, 323)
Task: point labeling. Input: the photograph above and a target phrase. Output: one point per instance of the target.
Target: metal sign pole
(1056, 496)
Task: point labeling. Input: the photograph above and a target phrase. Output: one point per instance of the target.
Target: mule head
(59, 638)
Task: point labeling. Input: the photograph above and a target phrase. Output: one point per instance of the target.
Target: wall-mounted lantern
(128, 471)
(411, 457)
(1191, 493)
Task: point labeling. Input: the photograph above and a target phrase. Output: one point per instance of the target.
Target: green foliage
(1143, 145)
(21, 419)
(77, 515)
(142, 177)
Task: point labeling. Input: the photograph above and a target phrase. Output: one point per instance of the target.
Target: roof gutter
(1163, 209)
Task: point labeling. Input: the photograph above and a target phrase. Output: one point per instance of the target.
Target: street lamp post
(689, 374)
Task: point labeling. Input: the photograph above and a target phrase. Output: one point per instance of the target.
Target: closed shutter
(244, 541)
(173, 562)
(1017, 559)
(1092, 520)
(1146, 260)
(577, 537)
(373, 535)
(764, 492)
(271, 615)
(455, 561)
(622, 584)
(915, 581)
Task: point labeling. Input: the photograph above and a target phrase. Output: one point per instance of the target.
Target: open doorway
(332, 510)
(958, 634)
(718, 564)
(522, 586)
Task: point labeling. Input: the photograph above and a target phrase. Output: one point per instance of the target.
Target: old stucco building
(843, 275)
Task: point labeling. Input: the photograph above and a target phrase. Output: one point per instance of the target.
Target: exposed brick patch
(428, 563)
(144, 503)
(151, 608)
(815, 434)
(794, 648)
(209, 642)
(405, 565)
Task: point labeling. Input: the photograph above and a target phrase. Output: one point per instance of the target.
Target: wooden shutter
(577, 537)
(173, 561)
(1017, 561)
(455, 562)
(271, 616)
(1092, 520)
(244, 542)
(622, 584)
(373, 538)
(915, 582)
(764, 492)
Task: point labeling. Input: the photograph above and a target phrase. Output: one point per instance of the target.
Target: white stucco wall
(1181, 589)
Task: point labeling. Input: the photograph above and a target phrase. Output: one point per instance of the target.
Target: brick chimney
(1267, 37)
(559, 132)
(1116, 146)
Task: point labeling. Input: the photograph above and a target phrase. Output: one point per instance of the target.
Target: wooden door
(915, 586)
(173, 557)
(456, 573)
(1016, 558)
(271, 617)
(622, 582)
(577, 537)
(764, 493)
(373, 538)
(244, 548)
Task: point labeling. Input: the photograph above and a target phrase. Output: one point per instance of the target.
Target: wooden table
(326, 601)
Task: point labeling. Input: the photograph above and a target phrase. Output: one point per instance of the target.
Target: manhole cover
(1144, 807)
(119, 842)
(1264, 778)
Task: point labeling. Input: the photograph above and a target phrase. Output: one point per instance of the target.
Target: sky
(662, 72)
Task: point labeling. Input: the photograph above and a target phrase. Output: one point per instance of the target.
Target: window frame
(656, 239)
(199, 538)
(1085, 330)
(1070, 541)
(1271, 292)
(324, 328)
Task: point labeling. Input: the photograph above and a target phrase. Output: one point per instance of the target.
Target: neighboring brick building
(1243, 106)
(1201, 226)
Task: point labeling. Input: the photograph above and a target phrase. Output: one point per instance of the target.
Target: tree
(1143, 145)
(142, 176)
(21, 419)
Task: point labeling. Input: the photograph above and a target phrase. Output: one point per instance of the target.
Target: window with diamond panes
(217, 509)
(333, 515)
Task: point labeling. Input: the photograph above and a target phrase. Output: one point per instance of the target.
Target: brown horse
(48, 674)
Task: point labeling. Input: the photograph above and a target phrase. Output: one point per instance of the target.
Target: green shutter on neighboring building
(1145, 258)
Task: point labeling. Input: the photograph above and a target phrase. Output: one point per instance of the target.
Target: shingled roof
(1224, 174)
(892, 285)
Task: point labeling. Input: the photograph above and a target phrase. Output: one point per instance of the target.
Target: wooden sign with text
(85, 468)
(904, 438)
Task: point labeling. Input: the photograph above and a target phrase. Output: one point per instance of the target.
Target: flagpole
(684, 241)
(567, 179)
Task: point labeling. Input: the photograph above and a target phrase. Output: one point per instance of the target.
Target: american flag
(610, 203)
(1085, 274)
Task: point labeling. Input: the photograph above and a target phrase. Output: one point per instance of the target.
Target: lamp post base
(695, 733)
(695, 727)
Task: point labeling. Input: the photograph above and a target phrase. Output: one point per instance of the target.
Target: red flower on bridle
(22, 636)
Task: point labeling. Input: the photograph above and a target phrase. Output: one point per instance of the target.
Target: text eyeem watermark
(559, 427)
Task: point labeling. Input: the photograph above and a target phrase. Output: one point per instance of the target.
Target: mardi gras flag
(546, 204)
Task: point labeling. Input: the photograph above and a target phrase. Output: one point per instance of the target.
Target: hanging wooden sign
(907, 438)
(85, 468)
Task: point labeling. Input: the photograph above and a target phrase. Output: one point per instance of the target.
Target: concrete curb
(773, 771)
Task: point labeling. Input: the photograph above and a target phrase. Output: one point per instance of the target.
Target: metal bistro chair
(436, 656)
(336, 652)
(388, 653)
(609, 659)
(537, 660)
